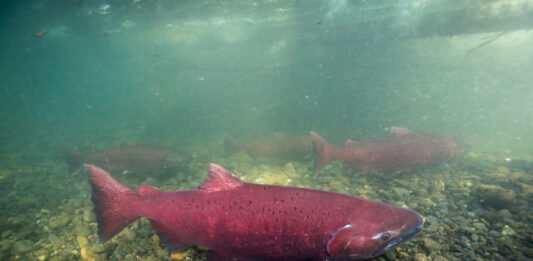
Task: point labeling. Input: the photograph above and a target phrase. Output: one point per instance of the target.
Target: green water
(187, 74)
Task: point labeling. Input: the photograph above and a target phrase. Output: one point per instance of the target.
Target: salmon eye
(386, 236)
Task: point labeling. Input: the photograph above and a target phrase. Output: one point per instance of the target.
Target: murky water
(85, 76)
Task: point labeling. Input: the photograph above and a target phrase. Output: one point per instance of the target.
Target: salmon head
(451, 146)
(375, 233)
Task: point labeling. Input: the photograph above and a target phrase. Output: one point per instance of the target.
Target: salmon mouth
(406, 236)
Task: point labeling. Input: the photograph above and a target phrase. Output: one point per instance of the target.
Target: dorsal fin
(220, 179)
(146, 190)
(398, 131)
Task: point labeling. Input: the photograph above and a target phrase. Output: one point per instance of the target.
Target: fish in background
(402, 151)
(280, 146)
(130, 158)
(244, 221)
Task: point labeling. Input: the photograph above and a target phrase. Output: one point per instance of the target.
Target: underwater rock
(495, 196)
(58, 221)
(88, 215)
(526, 189)
(6, 234)
(431, 245)
(439, 258)
(21, 247)
(522, 177)
(81, 230)
(480, 226)
(6, 244)
(508, 231)
(426, 203)
(421, 257)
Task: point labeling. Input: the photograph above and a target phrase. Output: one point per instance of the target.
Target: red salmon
(403, 150)
(235, 219)
(130, 158)
(278, 147)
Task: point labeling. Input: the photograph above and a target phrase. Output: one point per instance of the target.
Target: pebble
(82, 241)
(99, 248)
(426, 203)
(421, 257)
(88, 216)
(129, 234)
(59, 221)
(495, 196)
(480, 226)
(431, 245)
(21, 247)
(6, 234)
(439, 258)
(6, 244)
(508, 231)
(81, 230)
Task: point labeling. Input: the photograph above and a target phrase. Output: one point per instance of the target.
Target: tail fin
(112, 203)
(231, 145)
(74, 161)
(322, 151)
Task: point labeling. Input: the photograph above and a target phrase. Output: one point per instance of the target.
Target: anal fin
(170, 237)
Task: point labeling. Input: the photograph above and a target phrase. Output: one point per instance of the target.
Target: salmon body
(244, 221)
(278, 147)
(130, 158)
(403, 150)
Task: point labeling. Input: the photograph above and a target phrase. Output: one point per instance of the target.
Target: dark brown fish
(278, 147)
(41, 34)
(403, 150)
(130, 158)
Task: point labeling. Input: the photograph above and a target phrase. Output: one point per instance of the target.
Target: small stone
(439, 258)
(508, 231)
(162, 254)
(504, 213)
(53, 238)
(495, 196)
(6, 234)
(98, 248)
(21, 247)
(81, 230)
(421, 257)
(6, 244)
(87, 255)
(88, 216)
(82, 241)
(431, 245)
(480, 226)
(129, 234)
(58, 221)
(426, 203)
